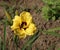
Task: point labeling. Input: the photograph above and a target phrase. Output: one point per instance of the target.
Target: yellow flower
(23, 25)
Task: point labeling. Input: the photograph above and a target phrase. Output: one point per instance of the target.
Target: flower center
(23, 24)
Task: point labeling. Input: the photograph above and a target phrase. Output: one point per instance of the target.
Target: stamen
(23, 23)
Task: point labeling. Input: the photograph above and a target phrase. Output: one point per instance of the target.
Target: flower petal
(21, 33)
(17, 19)
(26, 17)
(30, 30)
(22, 25)
(16, 22)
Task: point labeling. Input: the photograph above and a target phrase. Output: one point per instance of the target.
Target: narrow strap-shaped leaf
(0, 43)
(30, 41)
(16, 41)
(8, 17)
(52, 31)
(4, 35)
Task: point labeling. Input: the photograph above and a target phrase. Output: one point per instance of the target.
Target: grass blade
(52, 31)
(0, 43)
(16, 41)
(8, 17)
(30, 41)
(4, 35)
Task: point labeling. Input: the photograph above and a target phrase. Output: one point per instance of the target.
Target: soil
(44, 41)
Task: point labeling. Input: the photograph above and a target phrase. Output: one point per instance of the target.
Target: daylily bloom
(23, 25)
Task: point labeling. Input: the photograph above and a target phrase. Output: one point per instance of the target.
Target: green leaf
(31, 40)
(58, 49)
(4, 44)
(52, 31)
(53, 18)
(49, 2)
(45, 11)
(8, 17)
(51, 10)
(16, 41)
(0, 43)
